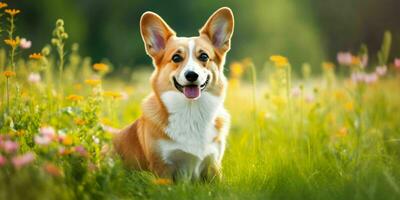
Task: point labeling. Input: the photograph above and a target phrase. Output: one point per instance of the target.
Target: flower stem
(8, 95)
(256, 126)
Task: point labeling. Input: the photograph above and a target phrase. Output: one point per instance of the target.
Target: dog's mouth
(191, 91)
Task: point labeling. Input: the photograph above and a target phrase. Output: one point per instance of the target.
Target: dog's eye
(203, 57)
(177, 58)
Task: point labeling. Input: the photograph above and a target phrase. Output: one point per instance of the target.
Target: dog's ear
(155, 33)
(219, 29)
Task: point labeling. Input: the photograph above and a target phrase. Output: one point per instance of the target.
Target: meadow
(333, 134)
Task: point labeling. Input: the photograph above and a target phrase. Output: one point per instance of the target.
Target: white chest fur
(191, 125)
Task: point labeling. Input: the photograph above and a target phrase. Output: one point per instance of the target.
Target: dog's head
(189, 65)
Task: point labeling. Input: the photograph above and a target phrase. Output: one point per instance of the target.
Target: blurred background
(303, 30)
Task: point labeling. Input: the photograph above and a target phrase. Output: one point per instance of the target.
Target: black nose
(191, 76)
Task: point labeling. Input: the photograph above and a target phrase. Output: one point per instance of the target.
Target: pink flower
(81, 150)
(397, 63)
(10, 146)
(357, 77)
(42, 140)
(25, 44)
(22, 160)
(370, 78)
(47, 131)
(310, 98)
(344, 58)
(2, 160)
(296, 91)
(381, 70)
(34, 78)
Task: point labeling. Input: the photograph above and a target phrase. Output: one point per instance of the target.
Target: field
(306, 135)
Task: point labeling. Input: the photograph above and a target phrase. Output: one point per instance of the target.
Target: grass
(324, 137)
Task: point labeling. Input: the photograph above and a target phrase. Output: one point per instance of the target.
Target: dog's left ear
(219, 29)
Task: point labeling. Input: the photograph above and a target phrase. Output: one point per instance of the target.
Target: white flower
(34, 78)
(25, 44)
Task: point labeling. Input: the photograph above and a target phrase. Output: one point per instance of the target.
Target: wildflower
(36, 56)
(349, 106)
(47, 131)
(11, 42)
(344, 58)
(101, 67)
(355, 60)
(310, 98)
(124, 95)
(78, 86)
(22, 160)
(279, 61)
(328, 65)
(236, 69)
(74, 97)
(52, 169)
(96, 140)
(342, 132)
(114, 95)
(79, 121)
(397, 63)
(12, 12)
(34, 77)
(381, 70)
(2, 160)
(162, 181)
(81, 150)
(93, 82)
(296, 91)
(3, 5)
(64, 151)
(25, 44)
(8, 74)
(42, 140)
(67, 140)
(370, 78)
(10, 146)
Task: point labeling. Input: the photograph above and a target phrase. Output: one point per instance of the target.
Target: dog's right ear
(155, 33)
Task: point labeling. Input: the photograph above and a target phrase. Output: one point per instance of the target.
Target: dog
(182, 131)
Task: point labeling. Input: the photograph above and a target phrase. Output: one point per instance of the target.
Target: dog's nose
(191, 76)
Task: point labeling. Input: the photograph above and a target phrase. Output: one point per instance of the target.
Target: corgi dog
(182, 131)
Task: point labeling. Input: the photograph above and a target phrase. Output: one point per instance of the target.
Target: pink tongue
(191, 92)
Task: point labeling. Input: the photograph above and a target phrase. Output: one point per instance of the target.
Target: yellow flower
(236, 69)
(93, 82)
(3, 5)
(74, 97)
(114, 95)
(349, 106)
(162, 181)
(342, 132)
(36, 56)
(101, 67)
(9, 74)
(12, 12)
(328, 65)
(355, 60)
(12, 43)
(279, 61)
(67, 140)
(79, 121)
